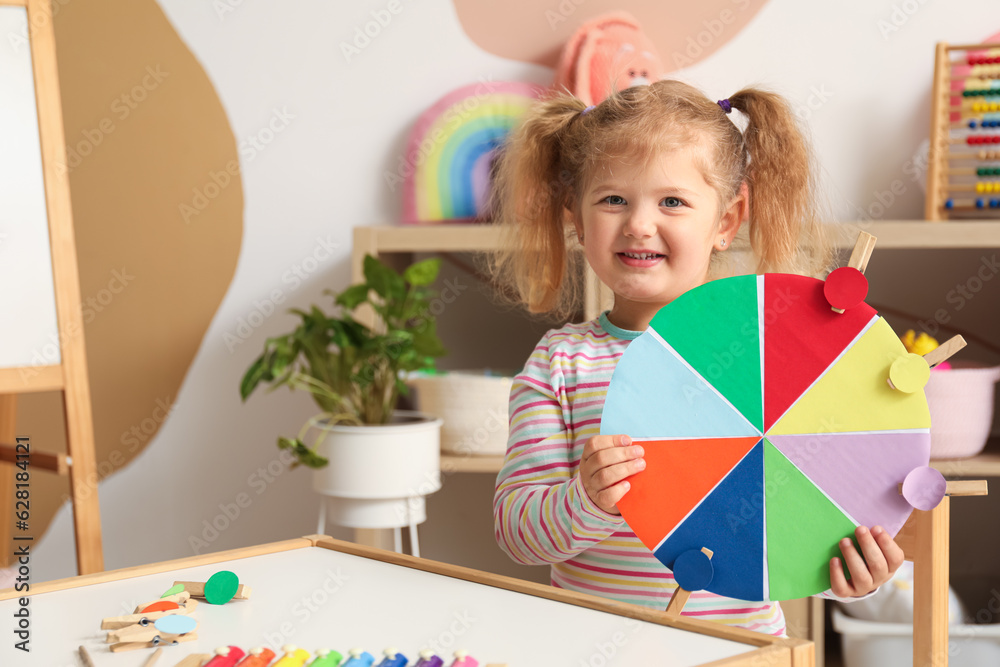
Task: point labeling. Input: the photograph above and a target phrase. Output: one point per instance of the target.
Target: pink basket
(961, 404)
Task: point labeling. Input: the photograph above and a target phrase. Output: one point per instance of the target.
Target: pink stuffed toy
(607, 54)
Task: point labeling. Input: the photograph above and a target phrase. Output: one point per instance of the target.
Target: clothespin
(220, 588)
(294, 656)
(225, 656)
(144, 619)
(164, 603)
(393, 659)
(327, 658)
(463, 659)
(910, 372)
(693, 571)
(194, 660)
(847, 286)
(257, 657)
(167, 630)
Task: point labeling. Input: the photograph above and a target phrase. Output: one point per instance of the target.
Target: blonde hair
(544, 166)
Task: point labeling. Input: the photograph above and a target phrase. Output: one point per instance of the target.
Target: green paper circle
(221, 587)
(173, 590)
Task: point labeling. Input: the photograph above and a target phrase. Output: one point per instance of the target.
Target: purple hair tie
(726, 106)
(587, 109)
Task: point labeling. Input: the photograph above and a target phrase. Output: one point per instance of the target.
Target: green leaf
(387, 283)
(305, 456)
(422, 273)
(253, 377)
(353, 296)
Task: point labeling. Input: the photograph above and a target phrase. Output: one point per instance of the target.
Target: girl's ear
(733, 216)
(571, 218)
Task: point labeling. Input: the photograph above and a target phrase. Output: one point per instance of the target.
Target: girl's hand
(882, 557)
(607, 460)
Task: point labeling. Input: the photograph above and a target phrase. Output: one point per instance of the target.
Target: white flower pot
(378, 475)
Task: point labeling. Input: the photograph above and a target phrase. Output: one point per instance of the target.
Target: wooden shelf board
(985, 464)
(451, 464)
(892, 234)
(914, 234)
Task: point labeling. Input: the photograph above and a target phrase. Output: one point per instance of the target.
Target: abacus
(963, 177)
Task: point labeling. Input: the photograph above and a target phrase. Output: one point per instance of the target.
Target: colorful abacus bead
(393, 658)
(359, 658)
(326, 658)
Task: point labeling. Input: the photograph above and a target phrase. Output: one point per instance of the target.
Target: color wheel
(770, 432)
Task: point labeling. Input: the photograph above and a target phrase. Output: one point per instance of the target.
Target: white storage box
(874, 644)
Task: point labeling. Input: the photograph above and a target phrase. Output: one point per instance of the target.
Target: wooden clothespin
(909, 373)
(194, 660)
(700, 579)
(847, 286)
(162, 604)
(143, 618)
(220, 588)
(167, 630)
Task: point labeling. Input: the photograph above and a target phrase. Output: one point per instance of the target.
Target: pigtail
(784, 229)
(529, 198)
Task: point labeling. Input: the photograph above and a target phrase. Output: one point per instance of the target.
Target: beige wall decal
(158, 219)
(684, 32)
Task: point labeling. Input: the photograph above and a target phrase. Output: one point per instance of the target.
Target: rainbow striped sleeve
(542, 514)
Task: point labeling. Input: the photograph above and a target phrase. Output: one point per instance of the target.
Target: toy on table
(225, 656)
(359, 658)
(257, 657)
(327, 658)
(194, 660)
(167, 630)
(963, 142)
(294, 656)
(770, 431)
(428, 659)
(148, 613)
(220, 588)
(463, 659)
(393, 658)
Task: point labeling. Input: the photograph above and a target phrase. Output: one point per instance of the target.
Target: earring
(722, 243)
(579, 237)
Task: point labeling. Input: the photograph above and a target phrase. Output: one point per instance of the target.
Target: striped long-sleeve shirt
(543, 515)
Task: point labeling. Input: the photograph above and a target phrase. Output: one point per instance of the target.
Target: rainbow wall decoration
(451, 149)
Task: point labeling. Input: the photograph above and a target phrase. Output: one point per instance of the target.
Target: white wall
(323, 174)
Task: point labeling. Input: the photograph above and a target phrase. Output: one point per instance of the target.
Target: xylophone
(963, 177)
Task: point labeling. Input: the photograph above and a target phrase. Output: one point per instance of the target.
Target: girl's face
(649, 233)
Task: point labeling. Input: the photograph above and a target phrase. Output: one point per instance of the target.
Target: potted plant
(376, 461)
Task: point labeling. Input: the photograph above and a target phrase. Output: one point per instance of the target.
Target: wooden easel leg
(83, 479)
(930, 586)
(8, 431)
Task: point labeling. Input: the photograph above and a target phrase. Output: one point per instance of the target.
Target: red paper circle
(845, 288)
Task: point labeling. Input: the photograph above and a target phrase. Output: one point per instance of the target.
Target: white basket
(473, 406)
(961, 404)
(874, 644)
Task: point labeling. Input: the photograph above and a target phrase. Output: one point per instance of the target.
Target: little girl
(654, 184)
